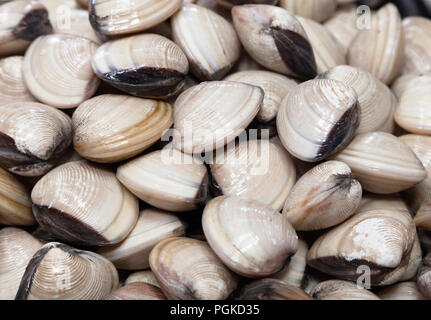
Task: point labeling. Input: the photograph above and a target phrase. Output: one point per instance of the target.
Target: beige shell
(137, 291)
(327, 51)
(275, 39)
(212, 114)
(401, 291)
(113, 17)
(57, 70)
(246, 63)
(274, 85)
(146, 276)
(424, 277)
(187, 269)
(12, 85)
(58, 7)
(152, 227)
(382, 163)
(341, 290)
(417, 32)
(152, 66)
(249, 237)
(15, 203)
(293, 273)
(17, 247)
(380, 239)
(21, 21)
(323, 197)
(166, 179)
(317, 10)
(84, 204)
(376, 100)
(75, 21)
(60, 272)
(410, 269)
(208, 40)
(372, 201)
(380, 49)
(110, 128)
(272, 289)
(33, 137)
(254, 169)
(401, 83)
(413, 113)
(318, 118)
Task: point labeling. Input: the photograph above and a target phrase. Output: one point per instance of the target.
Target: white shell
(417, 31)
(317, 10)
(74, 21)
(341, 290)
(146, 276)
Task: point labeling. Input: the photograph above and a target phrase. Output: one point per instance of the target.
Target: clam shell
(272, 289)
(246, 63)
(317, 10)
(111, 17)
(137, 291)
(75, 21)
(372, 201)
(21, 21)
(215, 6)
(187, 269)
(275, 39)
(384, 53)
(202, 123)
(166, 179)
(15, 203)
(57, 70)
(152, 227)
(208, 40)
(414, 262)
(255, 169)
(382, 163)
(274, 85)
(417, 47)
(152, 66)
(12, 85)
(401, 83)
(110, 128)
(401, 291)
(230, 3)
(17, 247)
(341, 290)
(84, 204)
(318, 118)
(424, 277)
(60, 272)
(32, 137)
(249, 237)
(146, 276)
(323, 197)
(376, 100)
(380, 239)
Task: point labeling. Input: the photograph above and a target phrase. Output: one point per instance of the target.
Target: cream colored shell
(417, 47)
(317, 10)
(341, 290)
(401, 291)
(146, 276)
(74, 21)
(371, 201)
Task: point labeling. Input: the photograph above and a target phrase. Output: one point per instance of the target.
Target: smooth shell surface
(372, 201)
(137, 291)
(272, 289)
(417, 32)
(187, 269)
(146, 276)
(341, 290)
(75, 21)
(318, 10)
(342, 25)
(84, 204)
(57, 70)
(110, 128)
(402, 291)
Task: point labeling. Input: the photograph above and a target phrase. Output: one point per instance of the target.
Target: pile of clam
(214, 149)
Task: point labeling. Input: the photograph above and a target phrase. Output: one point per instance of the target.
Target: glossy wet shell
(417, 32)
(146, 276)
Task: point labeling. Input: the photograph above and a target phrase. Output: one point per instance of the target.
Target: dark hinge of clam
(34, 24)
(343, 181)
(241, 2)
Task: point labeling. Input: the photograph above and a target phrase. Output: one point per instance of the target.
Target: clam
(341, 290)
(382, 163)
(113, 17)
(327, 51)
(250, 238)
(272, 289)
(212, 114)
(424, 277)
(152, 66)
(375, 99)
(32, 137)
(17, 247)
(60, 272)
(401, 291)
(255, 169)
(146, 276)
(381, 240)
(75, 22)
(246, 63)
(401, 83)
(166, 179)
(323, 197)
(417, 32)
(293, 273)
(413, 113)
(152, 227)
(187, 269)
(57, 70)
(317, 10)
(209, 41)
(84, 204)
(137, 291)
(110, 128)
(372, 201)
(15, 203)
(410, 270)
(318, 118)
(59, 7)
(383, 53)
(12, 85)
(274, 85)
(275, 39)
(21, 21)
